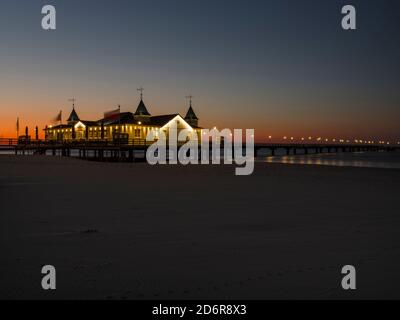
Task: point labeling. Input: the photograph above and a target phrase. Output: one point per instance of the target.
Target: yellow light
(139, 122)
(291, 138)
(309, 138)
(269, 137)
(285, 138)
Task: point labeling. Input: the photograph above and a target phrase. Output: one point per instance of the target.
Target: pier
(135, 150)
(316, 148)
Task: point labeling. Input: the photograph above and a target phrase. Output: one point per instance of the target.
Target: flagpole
(119, 111)
(17, 127)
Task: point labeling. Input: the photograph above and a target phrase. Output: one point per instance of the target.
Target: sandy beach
(132, 231)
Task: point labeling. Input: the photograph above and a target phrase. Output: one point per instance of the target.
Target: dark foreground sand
(196, 232)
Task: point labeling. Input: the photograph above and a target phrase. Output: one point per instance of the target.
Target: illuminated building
(121, 126)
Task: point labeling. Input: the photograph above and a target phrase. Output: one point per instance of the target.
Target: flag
(58, 118)
(112, 114)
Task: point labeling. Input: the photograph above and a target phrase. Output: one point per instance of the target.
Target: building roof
(128, 118)
(141, 109)
(162, 120)
(73, 116)
(122, 118)
(89, 123)
(190, 114)
(60, 126)
(66, 126)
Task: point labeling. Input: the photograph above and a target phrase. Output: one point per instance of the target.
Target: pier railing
(24, 145)
(12, 142)
(8, 142)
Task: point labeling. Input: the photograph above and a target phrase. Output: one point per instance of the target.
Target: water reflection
(390, 160)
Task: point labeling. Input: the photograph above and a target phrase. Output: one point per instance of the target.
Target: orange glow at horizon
(268, 130)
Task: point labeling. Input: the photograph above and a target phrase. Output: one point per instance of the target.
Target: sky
(283, 68)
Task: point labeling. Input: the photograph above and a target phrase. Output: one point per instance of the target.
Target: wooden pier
(135, 150)
(316, 148)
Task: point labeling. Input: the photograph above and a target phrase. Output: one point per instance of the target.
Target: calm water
(389, 160)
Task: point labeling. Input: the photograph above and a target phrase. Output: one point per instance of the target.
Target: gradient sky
(281, 67)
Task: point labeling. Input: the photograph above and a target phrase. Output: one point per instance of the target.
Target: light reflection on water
(388, 160)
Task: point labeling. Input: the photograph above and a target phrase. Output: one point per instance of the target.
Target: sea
(385, 160)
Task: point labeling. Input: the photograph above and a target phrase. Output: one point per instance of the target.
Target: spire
(141, 109)
(73, 117)
(191, 117)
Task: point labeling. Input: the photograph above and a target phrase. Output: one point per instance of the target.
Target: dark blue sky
(281, 67)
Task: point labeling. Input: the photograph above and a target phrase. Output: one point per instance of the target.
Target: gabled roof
(141, 109)
(73, 116)
(190, 114)
(162, 120)
(60, 126)
(88, 123)
(122, 118)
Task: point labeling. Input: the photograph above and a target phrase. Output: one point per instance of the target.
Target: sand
(169, 232)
